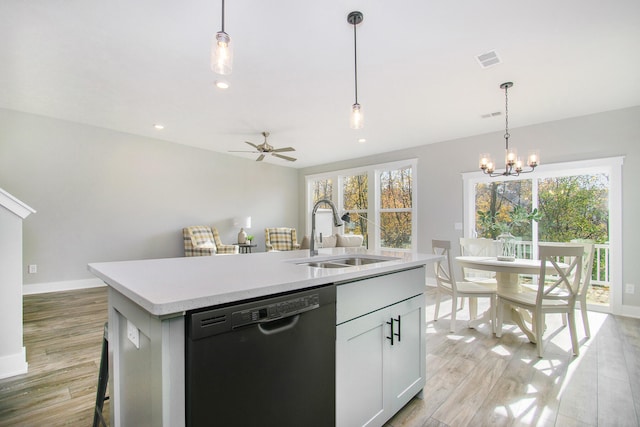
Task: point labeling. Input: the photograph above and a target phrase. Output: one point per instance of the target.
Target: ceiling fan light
(222, 54)
(357, 117)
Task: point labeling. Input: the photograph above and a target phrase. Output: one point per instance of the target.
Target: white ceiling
(127, 64)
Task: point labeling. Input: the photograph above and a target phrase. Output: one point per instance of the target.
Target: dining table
(507, 273)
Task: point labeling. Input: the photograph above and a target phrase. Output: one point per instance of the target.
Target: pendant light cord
(223, 16)
(355, 58)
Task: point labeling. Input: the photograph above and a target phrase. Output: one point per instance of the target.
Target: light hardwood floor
(473, 378)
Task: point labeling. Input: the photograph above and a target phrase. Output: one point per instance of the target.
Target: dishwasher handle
(276, 326)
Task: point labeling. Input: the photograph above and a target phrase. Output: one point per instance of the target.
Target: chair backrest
(280, 238)
(443, 268)
(587, 263)
(560, 272)
(478, 247)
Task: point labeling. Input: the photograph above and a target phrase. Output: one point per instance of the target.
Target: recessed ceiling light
(158, 126)
(222, 84)
(362, 140)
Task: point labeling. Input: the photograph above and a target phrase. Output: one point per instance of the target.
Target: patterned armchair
(281, 239)
(201, 240)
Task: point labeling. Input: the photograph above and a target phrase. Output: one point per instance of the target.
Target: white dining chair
(446, 283)
(559, 279)
(478, 247)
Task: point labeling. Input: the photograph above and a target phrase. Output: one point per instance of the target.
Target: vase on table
(242, 237)
(507, 247)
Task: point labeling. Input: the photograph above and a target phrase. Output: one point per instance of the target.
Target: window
(383, 212)
(577, 200)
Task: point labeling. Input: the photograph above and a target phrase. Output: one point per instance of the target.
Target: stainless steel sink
(323, 264)
(344, 262)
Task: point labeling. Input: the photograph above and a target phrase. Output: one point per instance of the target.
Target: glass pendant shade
(357, 117)
(222, 54)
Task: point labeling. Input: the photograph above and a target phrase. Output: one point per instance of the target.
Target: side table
(245, 248)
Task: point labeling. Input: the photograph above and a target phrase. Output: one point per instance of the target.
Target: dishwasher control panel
(274, 311)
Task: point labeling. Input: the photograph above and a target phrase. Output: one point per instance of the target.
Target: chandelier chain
(506, 114)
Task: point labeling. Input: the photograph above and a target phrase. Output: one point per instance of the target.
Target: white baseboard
(631, 311)
(13, 364)
(68, 285)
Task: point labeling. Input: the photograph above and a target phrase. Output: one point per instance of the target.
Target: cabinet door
(361, 374)
(408, 353)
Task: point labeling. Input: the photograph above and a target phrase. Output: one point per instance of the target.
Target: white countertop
(174, 285)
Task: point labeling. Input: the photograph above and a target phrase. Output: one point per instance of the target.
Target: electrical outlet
(32, 269)
(133, 334)
(457, 226)
(630, 288)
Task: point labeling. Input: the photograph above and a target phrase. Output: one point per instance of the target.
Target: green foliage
(517, 217)
(571, 207)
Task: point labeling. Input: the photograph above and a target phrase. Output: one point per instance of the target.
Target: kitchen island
(148, 300)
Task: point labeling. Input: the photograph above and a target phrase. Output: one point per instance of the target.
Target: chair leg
(435, 316)
(473, 308)
(454, 309)
(585, 319)
(461, 303)
(572, 330)
(498, 317)
(538, 319)
(492, 312)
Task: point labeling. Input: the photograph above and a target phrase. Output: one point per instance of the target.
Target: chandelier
(357, 117)
(513, 163)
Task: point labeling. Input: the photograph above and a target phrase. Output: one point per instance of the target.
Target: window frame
(609, 165)
(373, 198)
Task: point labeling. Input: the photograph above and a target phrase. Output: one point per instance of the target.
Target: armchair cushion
(198, 241)
(349, 240)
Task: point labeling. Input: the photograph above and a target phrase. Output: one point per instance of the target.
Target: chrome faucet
(336, 221)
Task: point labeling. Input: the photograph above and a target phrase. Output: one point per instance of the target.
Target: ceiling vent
(488, 59)
(489, 115)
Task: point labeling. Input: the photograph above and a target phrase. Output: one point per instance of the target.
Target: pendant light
(513, 164)
(221, 51)
(357, 117)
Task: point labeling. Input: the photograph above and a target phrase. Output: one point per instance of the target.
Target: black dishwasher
(266, 362)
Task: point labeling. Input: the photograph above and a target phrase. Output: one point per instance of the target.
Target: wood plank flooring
(473, 378)
(63, 338)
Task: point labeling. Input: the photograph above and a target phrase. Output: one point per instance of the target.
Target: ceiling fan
(264, 149)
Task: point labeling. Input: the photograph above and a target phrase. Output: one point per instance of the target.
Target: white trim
(14, 205)
(630, 311)
(67, 285)
(14, 364)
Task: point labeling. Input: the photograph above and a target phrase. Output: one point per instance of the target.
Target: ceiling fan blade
(242, 151)
(260, 157)
(291, 159)
(280, 150)
(252, 144)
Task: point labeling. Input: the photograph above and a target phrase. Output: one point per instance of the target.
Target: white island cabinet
(380, 348)
(148, 300)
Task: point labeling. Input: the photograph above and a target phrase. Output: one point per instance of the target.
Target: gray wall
(614, 133)
(102, 195)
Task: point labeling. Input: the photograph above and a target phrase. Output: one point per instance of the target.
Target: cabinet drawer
(354, 299)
